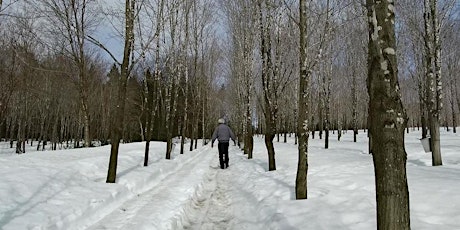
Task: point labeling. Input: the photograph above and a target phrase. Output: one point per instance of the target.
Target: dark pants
(223, 154)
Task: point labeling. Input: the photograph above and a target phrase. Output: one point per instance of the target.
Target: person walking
(223, 133)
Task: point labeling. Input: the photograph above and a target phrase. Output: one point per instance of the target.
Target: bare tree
(126, 67)
(151, 83)
(270, 73)
(73, 20)
(309, 57)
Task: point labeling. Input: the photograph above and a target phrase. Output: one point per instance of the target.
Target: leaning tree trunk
(118, 120)
(388, 119)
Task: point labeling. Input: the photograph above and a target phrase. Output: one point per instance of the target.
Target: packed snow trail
(158, 201)
(210, 207)
(207, 205)
(226, 200)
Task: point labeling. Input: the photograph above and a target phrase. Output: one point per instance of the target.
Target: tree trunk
(249, 140)
(184, 64)
(454, 118)
(354, 102)
(422, 114)
(452, 102)
(433, 76)
(86, 120)
(156, 81)
(268, 83)
(388, 119)
(303, 112)
(170, 115)
(435, 143)
(118, 120)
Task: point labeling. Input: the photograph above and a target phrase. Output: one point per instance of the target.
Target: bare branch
(100, 45)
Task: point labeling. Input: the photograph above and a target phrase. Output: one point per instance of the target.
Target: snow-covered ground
(66, 189)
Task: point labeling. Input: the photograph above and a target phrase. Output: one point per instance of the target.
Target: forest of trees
(79, 73)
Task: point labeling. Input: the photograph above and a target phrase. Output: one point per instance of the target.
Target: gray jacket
(223, 133)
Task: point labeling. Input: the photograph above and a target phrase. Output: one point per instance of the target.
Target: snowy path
(223, 201)
(211, 205)
(208, 194)
(137, 212)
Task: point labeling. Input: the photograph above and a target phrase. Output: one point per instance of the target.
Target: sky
(66, 189)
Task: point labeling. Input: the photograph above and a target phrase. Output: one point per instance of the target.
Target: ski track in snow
(208, 207)
(134, 213)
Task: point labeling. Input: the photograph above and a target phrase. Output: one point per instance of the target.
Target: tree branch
(100, 45)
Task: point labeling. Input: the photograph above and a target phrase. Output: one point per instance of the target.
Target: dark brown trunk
(303, 112)
(118, 121)
(271, 151)
(387, 119)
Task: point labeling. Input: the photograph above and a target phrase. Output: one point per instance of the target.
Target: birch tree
(171, 89)
(151, 86)
(387, 119)
(185, 68)
(433, 77)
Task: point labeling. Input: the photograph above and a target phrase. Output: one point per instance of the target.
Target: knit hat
(221, 121)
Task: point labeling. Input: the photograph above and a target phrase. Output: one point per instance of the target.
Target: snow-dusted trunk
(118, 118)
(303, 112)
(433, 75)
(387, 119)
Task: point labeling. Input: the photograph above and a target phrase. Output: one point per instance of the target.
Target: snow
(389, 51)
(66, 189)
